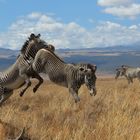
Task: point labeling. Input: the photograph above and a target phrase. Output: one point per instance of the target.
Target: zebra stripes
(37, 56)
(68, 75)
(17, 74)
(129, 72)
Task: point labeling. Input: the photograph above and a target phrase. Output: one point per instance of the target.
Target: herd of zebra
(36, 56)
(129, 72)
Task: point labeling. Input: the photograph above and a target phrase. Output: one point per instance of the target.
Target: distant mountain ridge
(119, 48)
(106, 59)
(5, 51)
(132, 47)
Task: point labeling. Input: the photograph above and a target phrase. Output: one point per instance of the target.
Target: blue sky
(70, 24)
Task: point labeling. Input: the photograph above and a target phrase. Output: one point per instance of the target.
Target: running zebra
(71, 76)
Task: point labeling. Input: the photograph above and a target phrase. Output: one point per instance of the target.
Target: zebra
(17, 75)
(68, 75)
(119, 71)
(129, 72)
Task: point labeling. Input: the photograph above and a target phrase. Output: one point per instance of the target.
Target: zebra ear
(51, 47)
(124, 68)
(94, 67)
(38, 35)
(32, 35)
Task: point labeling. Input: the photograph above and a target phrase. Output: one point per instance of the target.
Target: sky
(70, 23)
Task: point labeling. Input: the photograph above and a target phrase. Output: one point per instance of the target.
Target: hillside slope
(51, 114)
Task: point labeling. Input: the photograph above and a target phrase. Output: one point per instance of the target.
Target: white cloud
(70, 35)
(121, 8)
(133, 27)
(111, 34)
(113, 2)
(34, 15)
(130, 11)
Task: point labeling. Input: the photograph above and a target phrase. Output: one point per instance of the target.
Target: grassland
(51, 114)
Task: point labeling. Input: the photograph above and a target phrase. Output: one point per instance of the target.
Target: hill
(106, 59)
(8, 52)
(51, 114)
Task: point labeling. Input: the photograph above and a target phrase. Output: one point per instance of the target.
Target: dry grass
(51, 114)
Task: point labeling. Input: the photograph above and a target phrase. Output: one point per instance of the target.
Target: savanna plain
(52, 114)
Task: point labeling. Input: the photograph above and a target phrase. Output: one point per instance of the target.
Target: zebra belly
(64, 84)
(59, 80)
(15, 84)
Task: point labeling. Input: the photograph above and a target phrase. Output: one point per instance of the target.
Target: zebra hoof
(78, 100)
(95, 93)
(91, 94)
(34, 90)
(21, 94)
(0, 104)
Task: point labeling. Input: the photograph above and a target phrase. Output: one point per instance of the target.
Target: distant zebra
(17, 75)
(129, 72)
(71, 76)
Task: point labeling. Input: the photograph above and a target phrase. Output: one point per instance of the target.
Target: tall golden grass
(52, 114)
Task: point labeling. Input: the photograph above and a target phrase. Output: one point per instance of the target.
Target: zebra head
(51, 47)
(121, 71)
(33, 45)
(90, 77)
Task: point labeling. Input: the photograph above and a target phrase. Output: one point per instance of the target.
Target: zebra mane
(24, 47)
(26, 43)
(127, 66)
(55, 55)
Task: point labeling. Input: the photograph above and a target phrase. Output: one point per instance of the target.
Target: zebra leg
(5, 96)
(138, 76)
(27, 85)
(1, 93)
(39, 83)
(130, 80)
(74, 94)
(24, 75)
(34, 74)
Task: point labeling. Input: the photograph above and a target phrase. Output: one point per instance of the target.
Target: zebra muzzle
(93, 92)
